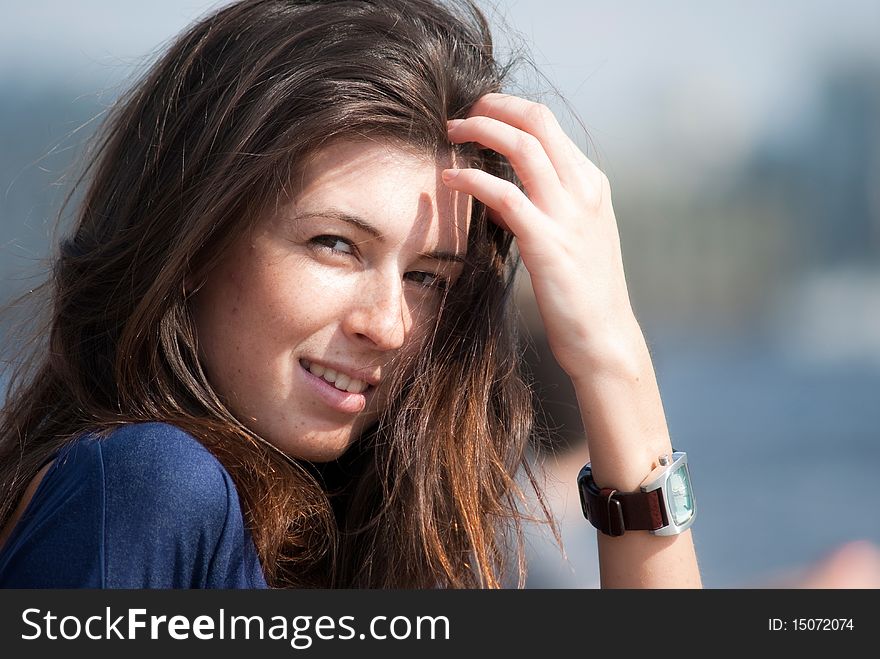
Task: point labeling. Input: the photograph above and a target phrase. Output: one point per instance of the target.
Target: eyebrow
(366, 227)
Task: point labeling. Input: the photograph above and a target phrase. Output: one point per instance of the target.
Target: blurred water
(784, 458)
(785, 454)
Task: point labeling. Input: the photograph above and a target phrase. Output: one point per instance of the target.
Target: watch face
(681, 501)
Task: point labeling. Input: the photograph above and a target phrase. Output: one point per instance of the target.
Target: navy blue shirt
(146, 507)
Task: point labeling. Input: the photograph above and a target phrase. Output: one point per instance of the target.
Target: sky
(713, 74)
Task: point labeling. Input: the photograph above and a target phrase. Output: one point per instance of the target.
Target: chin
(321, 453)
(317, 448)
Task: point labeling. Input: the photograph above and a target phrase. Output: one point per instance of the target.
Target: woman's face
(302, 322)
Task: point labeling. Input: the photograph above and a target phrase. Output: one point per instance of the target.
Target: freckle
(234, 310)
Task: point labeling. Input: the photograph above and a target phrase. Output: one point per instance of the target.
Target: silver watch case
(676, 494)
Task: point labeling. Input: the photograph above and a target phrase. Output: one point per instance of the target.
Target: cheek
(236, 315)
(274, 289)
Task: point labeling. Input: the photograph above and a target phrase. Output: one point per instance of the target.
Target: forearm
(626, 430)
(568, 240)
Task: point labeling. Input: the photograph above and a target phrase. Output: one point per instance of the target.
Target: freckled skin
(278, 297)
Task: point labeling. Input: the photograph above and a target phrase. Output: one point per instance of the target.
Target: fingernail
(453, 123)
(449, 174)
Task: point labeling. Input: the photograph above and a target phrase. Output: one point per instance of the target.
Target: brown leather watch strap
(614, 513)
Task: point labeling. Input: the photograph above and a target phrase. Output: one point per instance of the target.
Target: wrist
(662, 505)
(622, 411)
(625, 467)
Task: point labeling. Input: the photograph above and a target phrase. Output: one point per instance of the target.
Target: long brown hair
(187, 161)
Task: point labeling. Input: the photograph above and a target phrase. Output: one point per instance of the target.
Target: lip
(341, 401)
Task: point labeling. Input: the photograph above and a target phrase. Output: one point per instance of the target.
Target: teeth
(356, 387)
(338, 380)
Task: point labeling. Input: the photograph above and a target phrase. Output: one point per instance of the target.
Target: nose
(379, 313)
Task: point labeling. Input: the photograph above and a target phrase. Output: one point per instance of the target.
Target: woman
(282, 349)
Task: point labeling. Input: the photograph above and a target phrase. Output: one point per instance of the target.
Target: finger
(525, 153)
(513, 210)
(568, 160)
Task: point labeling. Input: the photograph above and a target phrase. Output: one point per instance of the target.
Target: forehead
(395, 189)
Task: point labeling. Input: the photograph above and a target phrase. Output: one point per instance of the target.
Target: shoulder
(143, 506)
(150, 469)
(157, 461)
(170, 504)
(155, 446)
(172, 513)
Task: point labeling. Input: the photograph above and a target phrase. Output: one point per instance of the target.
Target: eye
(429, 280)
(333, 244)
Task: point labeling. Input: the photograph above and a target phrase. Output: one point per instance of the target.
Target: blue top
(146, 507)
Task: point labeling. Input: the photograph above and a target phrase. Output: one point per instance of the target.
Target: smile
(341, 381)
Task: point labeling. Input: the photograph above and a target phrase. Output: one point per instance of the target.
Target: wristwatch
(664, 504)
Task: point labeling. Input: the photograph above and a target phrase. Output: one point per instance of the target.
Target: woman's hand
(564, 224)
(568, 240)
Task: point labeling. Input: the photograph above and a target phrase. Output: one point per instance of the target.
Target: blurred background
(742, 141)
